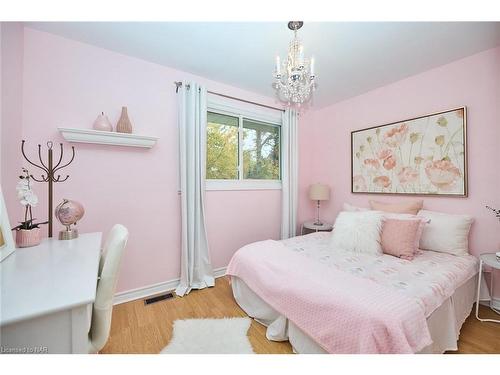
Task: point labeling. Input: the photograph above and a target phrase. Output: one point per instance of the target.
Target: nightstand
(309, 227)
(492, 261)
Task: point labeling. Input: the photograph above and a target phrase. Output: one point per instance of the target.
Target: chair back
(106, 286)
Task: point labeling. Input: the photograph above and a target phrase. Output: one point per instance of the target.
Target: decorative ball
(69, 212)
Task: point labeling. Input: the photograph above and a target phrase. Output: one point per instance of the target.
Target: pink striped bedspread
(341, 312)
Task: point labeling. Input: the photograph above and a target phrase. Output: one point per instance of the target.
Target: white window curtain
(196, 270)
(289, 173)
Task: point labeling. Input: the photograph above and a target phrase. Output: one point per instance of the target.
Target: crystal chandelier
(294, 79)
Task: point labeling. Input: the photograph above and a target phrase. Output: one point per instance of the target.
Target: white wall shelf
(107, 138)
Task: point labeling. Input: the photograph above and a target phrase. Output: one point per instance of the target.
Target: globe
(68, 213)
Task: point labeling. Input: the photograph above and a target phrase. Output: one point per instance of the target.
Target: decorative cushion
(446, 233)
(422, 222)
(400, 237)
(350, 208)
(358, 231)
(409, 207)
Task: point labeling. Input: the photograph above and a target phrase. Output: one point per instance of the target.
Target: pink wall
(1, 99)
(67, 83)
(11, 101)
(473, 81)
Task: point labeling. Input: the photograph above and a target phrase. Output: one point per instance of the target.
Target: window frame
(249, 114)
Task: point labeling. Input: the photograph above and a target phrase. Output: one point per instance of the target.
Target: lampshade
(319, 192)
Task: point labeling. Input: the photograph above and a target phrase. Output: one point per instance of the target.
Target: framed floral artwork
(426, 155)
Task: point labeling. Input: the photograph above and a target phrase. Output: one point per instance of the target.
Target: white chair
(108, 276)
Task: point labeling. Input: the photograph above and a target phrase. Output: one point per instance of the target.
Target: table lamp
(319, 192)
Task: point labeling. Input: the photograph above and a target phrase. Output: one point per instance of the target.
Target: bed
(440, 286)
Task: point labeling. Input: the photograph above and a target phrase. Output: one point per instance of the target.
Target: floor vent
(149, 301)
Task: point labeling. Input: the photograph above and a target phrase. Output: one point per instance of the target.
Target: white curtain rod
(178, 84)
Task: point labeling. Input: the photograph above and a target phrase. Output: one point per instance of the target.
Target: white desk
(46, 293)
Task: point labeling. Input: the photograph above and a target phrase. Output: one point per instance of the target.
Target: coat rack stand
(50, 172)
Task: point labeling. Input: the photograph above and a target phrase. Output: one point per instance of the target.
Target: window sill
(221, 185)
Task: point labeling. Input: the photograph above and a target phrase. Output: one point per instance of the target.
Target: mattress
(443, 284)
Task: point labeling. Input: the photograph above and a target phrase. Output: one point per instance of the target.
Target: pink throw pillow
(410, 207)
(399, 237)
(423, 221)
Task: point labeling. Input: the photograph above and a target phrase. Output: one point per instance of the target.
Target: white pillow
(350, 208)
(358, 231)
(446, 233)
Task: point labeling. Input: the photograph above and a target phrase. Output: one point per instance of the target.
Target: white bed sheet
(429, 278)
(444, 319)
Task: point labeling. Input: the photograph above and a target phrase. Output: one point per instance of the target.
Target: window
(222, 147)
(261, 150)
(243, 151)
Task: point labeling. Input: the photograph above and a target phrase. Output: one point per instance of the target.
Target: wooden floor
(137, 328)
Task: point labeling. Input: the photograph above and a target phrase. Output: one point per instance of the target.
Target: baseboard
(495, 303)
(151, 290)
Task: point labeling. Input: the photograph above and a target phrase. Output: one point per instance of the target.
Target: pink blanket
(341, 312)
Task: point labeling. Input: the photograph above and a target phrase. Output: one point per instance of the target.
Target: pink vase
(102, 123)
(28, 237)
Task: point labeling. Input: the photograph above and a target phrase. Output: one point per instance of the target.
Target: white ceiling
(351, 57)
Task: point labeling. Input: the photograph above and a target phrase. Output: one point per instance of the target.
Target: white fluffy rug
(210, 336)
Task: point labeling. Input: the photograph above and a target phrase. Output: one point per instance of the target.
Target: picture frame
(7, 244)
(424, 155)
